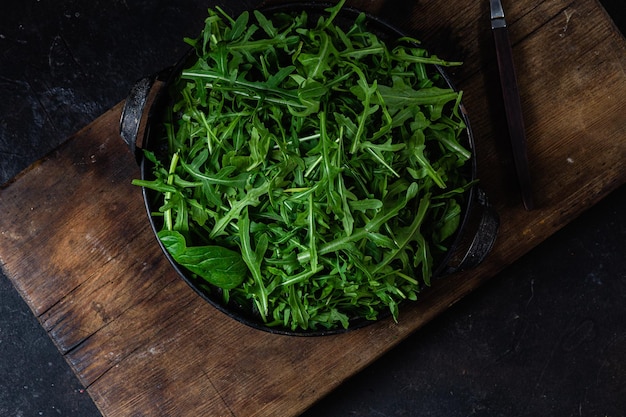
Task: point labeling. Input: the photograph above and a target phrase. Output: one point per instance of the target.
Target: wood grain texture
(76, 243)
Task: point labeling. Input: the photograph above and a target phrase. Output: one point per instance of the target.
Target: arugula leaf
(253, 258)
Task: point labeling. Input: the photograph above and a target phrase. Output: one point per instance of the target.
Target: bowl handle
(133, 110)
(484, 238)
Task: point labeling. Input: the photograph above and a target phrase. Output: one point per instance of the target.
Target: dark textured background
(547, 337)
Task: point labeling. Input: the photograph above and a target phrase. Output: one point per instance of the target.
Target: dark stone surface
(547, 337)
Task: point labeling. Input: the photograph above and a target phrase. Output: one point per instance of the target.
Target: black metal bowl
(470, 244)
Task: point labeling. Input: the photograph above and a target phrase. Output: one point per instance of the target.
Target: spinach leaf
(218, 265)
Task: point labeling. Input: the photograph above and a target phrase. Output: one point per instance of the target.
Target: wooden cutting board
(76, 243)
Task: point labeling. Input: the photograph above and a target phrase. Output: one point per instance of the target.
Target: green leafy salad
(313, 174)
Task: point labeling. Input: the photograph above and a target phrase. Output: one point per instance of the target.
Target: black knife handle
(513, 109)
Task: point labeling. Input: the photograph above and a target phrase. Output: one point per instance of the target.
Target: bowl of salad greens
(308, 169)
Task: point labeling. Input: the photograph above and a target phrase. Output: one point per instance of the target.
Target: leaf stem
(167, 216)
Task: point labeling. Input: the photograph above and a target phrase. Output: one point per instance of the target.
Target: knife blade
(512, 101)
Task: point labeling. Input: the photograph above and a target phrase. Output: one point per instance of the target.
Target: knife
(512, 102)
